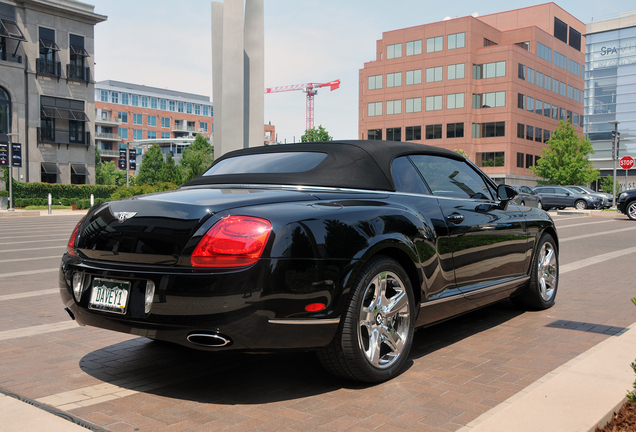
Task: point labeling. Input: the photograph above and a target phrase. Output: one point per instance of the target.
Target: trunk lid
(154, 229)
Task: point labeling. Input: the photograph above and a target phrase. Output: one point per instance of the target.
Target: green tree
(98, 168)
(196, 158)
(461, 152)
(565, 161)
(151, 166)
(106, 173)
(607, 185)
(316, 134)
(170, 172)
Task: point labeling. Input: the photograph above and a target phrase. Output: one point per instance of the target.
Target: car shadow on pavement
(229, 378)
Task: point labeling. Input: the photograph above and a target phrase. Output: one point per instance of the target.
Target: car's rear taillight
(234, 241)
(70, 247)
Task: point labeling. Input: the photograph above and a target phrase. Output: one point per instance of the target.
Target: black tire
(353, 354)
(546, 208)
(541, 290)
(630, 210)
(580, 205)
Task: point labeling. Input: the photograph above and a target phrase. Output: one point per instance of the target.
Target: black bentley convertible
(340, 247)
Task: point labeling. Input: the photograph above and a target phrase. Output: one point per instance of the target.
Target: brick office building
(494, 86)
(132, 115)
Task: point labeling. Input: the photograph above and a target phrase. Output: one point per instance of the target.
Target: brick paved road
(457, 370)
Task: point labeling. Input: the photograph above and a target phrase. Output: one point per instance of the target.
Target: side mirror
(505, 192)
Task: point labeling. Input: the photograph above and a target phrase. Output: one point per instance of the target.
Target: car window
(526, 189)
(452, 178)
(561, 191)
(546, 190)
(406, 178)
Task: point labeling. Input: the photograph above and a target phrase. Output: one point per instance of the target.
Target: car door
(563, 197)
(531, 198)
(489, 242)
(548, 196)
(434, 248)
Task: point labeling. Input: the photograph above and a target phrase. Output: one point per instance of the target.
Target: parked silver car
(607, 198)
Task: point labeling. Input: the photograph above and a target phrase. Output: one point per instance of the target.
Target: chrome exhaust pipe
(215, 340)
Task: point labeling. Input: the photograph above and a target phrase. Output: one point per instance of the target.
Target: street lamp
(615, 150)
(11, 170)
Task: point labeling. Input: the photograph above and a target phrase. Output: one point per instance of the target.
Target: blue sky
(167, 44)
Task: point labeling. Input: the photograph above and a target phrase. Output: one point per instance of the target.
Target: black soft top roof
(349, 164)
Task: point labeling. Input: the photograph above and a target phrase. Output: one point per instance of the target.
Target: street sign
(627, 162)
(4, 154)
(17, 155)
(132, 159)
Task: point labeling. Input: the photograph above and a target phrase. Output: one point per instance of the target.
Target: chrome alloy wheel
(384, 320)
(548, 272)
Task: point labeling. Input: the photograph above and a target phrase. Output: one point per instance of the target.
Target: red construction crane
(311, 90)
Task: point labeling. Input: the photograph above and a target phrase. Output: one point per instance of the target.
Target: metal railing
(109, 136)
(108, 119)
(79, 73)
(10, 57)
(63, 136)
(44, 67)
(108, 153)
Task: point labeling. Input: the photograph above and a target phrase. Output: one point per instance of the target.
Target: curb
(592, 213)
(18, 213)
(31, 213)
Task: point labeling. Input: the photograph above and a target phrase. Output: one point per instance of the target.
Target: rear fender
(396, 246)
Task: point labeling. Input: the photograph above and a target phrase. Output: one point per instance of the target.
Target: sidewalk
(575, 397)
(57, 212)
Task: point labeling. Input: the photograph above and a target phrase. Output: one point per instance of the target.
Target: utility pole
(614, 153)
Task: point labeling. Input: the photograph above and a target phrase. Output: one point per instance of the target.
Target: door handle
(455, 218)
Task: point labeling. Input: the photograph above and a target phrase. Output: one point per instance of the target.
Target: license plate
(109, 295)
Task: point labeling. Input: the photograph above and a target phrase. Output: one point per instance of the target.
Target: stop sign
(627, 162)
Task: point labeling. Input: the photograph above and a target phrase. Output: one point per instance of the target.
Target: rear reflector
(234, 241)
(314, 307)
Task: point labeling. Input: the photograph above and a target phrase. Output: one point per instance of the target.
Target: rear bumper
(237, 307)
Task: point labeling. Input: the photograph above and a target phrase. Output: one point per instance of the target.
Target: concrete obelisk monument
(238, 79)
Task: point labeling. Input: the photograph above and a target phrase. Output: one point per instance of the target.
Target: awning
(79, 51)
(79, 169)
(49, 168)
(10, 29)
(64, 114)
(49, 44)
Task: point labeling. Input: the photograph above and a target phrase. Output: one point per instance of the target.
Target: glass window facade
(610, 94)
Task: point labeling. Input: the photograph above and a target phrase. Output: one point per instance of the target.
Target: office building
(494, 86)
(46, 88)
(610, 92)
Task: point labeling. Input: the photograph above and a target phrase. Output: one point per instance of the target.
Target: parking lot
(457, 370)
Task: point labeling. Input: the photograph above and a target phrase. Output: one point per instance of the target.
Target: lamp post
(9, 135)
(615, 150)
